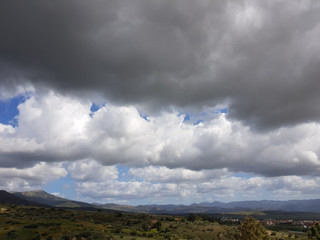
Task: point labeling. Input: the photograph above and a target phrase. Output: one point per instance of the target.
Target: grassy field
(34, 223)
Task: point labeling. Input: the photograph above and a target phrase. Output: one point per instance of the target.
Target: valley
(38, 215)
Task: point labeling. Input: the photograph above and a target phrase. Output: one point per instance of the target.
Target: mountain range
(42, 198)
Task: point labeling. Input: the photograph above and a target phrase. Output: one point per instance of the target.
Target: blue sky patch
(95, 107)
(9, 109)
(66, 186)
(123, 173)
(224, 110)
(145, 117)
(198, 122)
(186, 118)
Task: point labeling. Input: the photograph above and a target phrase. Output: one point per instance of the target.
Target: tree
(314, 232)
(251, 229)
(157, 225)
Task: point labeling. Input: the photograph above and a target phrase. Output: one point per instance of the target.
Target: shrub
(11, 233)
(251, 229)
(314, 232)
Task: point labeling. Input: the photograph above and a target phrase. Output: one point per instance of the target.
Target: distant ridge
(312, 205)
(9, 198)
(42, 197)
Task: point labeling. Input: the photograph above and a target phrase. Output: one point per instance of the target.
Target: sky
(162, 101)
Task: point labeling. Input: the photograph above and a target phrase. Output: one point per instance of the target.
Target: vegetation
(39, 223)
(251, 229)
(314, 232)
(248, 213)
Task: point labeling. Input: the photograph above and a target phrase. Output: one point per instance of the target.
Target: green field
(37, 223)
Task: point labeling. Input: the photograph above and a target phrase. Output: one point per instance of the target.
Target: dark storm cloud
(261, 56)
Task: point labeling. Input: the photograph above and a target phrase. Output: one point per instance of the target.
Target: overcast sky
(161, 101)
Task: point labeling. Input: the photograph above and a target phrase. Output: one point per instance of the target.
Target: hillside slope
(9, 198)
(43, 197)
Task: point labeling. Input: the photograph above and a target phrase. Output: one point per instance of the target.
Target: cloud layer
(260, 57)
(163, 185)
(55, 128)
(14, 179)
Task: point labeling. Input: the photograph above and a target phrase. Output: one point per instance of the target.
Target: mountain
(43, 197)
(122, 208)
(220, 207)
(312, 205)
(9, 198)
(168, 209)
(40, 196)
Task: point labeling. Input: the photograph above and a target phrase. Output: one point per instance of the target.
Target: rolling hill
(9, 198)
(43, 197)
